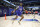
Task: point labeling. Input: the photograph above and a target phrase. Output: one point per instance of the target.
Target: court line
(25, 19)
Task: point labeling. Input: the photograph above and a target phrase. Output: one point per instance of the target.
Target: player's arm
(16, 8)
(24, 9)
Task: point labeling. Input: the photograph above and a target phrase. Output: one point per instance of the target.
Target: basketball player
(19, 12)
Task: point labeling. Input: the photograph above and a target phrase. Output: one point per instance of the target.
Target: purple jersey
(20, 8)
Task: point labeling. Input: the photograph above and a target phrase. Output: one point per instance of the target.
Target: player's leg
(21, 19)
(14, 19)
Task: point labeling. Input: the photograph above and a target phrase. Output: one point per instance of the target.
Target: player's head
(21, 3)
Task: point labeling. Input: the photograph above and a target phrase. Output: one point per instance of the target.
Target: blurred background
(8, 6)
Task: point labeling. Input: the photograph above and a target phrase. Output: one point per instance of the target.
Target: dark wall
(3, 10)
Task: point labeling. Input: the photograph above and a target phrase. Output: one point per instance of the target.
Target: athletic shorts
(18, 13)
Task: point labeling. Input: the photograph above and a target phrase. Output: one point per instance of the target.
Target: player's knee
(22, 17)
(16, 16)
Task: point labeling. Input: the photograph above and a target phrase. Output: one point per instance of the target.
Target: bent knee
(23, 17)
